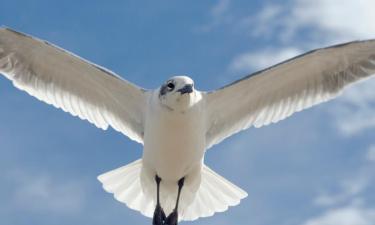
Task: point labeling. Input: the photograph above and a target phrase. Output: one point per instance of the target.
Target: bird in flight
(176, 123)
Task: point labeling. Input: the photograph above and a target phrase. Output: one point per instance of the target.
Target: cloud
(42, 193)
(353, 112)
(321, 22)
(348, 205)
(219, 14)
(350, 215)
(339, 19)
(265, 22)
(324, 21)
(351, 187)
(220, 8)
(371, 154)
(262, 59)
(272, 23)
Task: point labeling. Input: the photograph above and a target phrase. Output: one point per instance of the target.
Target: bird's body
(174, 141)
(177, 123)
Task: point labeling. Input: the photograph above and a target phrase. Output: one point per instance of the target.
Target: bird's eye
(170, 86)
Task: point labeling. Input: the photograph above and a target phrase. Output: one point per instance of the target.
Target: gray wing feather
(75, 85)
(275, 93)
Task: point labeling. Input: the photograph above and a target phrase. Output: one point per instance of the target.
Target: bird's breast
(173, 143)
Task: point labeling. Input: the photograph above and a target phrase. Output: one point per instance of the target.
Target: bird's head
(177, 93)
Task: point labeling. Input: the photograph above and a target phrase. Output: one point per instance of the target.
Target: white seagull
(177, 123)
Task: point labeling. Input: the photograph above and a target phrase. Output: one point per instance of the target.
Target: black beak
(186, 89)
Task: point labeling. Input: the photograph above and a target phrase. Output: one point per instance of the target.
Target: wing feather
(275, 93)
(75, 85)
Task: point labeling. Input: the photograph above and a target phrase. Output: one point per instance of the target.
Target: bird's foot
(172, 219)
(159, 216)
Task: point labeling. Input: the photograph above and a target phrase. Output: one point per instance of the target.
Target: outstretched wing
(275, 93)
(75, 85)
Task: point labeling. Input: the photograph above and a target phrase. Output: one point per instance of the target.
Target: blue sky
(315, 168)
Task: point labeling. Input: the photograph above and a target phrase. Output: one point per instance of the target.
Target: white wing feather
(75, 85)
(275, 93)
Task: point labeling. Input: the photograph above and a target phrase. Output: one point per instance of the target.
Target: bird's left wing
(77, 86)
(291, 86)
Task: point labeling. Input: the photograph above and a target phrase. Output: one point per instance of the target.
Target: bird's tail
(125, 184)
(215, 193)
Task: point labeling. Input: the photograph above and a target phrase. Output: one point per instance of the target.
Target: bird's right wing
(75, 85)
(275, 93)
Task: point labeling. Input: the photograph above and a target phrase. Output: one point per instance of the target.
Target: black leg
(172, 219)
(159, 215)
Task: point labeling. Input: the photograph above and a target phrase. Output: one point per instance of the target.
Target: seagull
(175, 122)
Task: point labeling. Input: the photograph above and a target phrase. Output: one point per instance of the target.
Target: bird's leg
(159, 215)
(172, 219)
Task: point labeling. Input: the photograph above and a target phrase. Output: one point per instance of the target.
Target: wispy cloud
(43, 193)
(347, 205)
(353, 112)
(261, 59)
(220, 8)
(349, 215)
(330, 18)
(371, 154)
(268, 16)
(266, 23)
(324, 21)
(349, 189)
(219, 14)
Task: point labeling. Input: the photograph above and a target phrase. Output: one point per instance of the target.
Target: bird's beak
(187, 89)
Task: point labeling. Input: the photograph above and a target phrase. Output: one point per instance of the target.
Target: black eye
(170, 86)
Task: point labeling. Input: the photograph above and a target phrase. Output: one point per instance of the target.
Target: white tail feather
(215, 193)
(125, 184)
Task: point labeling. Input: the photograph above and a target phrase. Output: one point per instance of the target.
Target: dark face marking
(167, 87)
(163, 90)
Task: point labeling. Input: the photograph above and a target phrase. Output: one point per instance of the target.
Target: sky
(314, 168)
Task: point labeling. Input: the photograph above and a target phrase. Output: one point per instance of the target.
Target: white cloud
(350, 189)
(262, 59)
(371, 154)
(326, 21)
(342, 20)
(348, 205)
(42, 193)
(351, 215)
(354, 111)
(265, 22)
(219, 14)
(220, 8)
